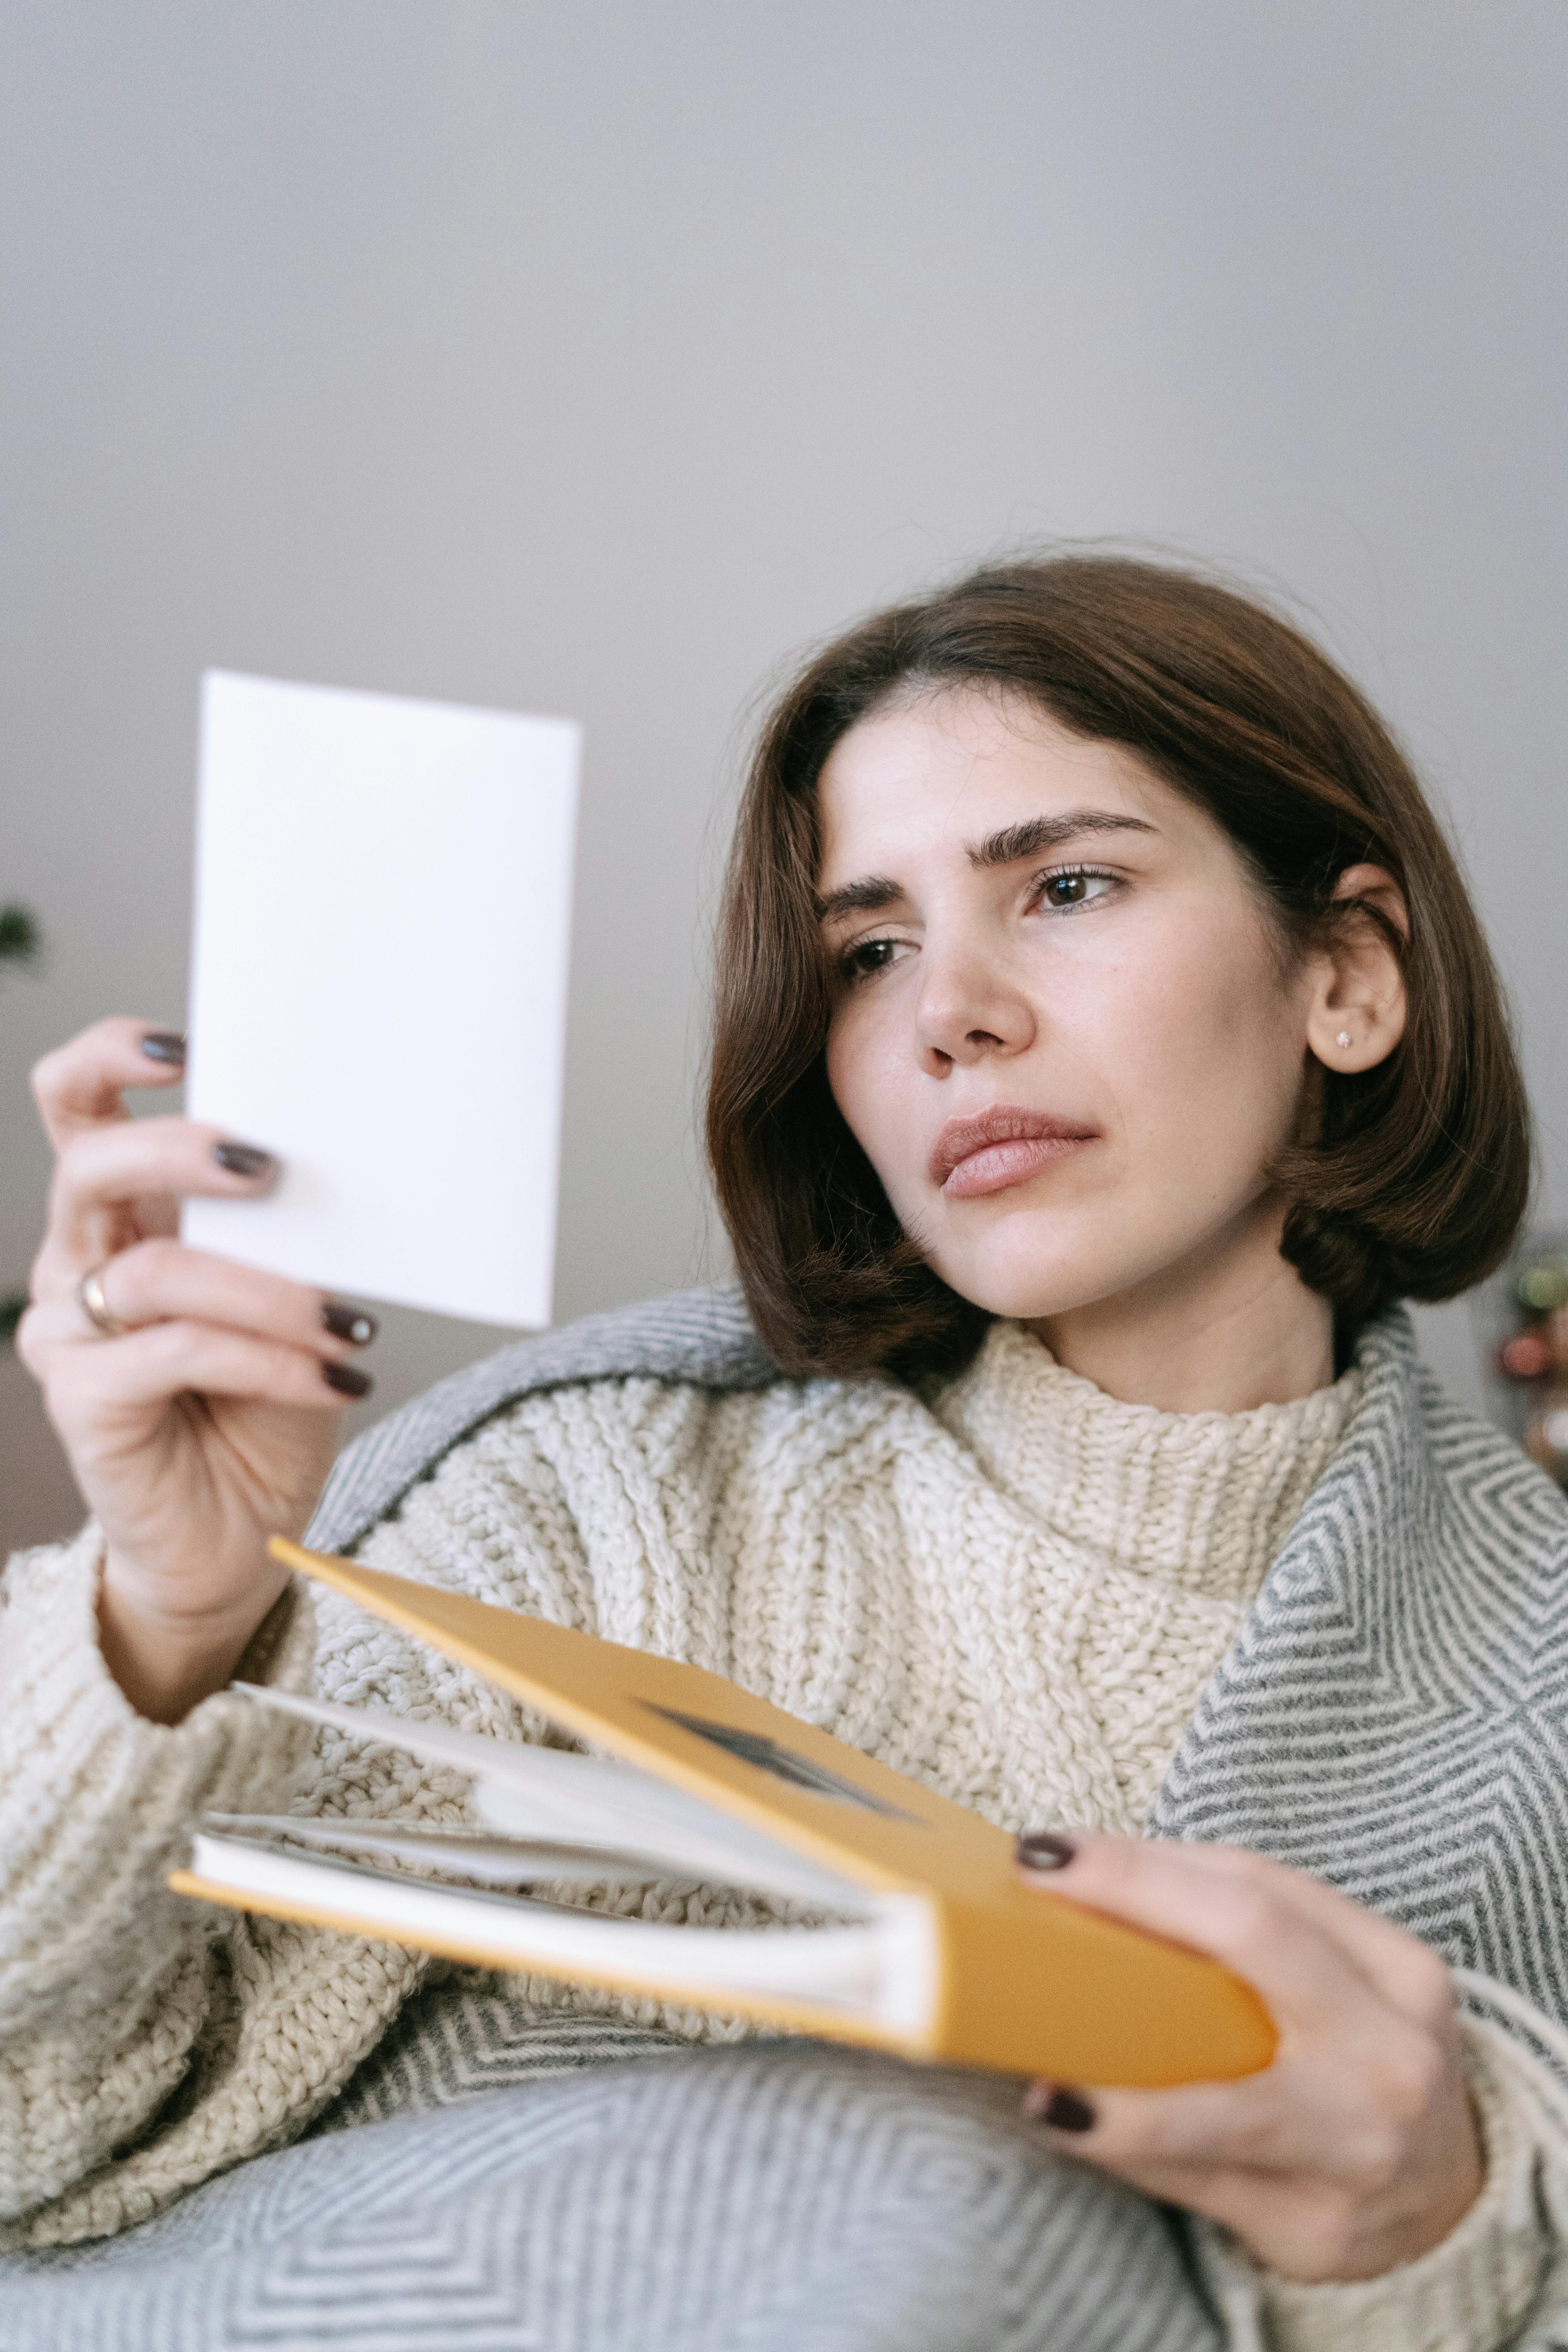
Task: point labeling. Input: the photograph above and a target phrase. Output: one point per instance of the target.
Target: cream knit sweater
(1015, 1592)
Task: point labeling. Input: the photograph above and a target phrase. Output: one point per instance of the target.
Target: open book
(919, 1935)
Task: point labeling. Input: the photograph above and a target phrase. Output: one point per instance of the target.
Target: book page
(379, 989)
(548, 1794)
(462, 1853)
(885, 1965)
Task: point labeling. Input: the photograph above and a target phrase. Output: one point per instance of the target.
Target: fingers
(1362, 2117)
(80, 1082)
(1158, 2133)
(185, 1312)
(162, 1281)
(1335, 2104)
(125, 1377)
(1281, 2120)
(1308, 1949)
(1262, 2171)
(1400, 1969)
(104, 1169)
(1216, 1900)
(177, 1293)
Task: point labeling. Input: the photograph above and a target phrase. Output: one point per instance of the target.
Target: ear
(1356, 1004)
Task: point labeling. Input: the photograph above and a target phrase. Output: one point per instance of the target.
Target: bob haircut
(1415, 1175)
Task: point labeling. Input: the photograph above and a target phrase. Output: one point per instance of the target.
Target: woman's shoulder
(700, 1340)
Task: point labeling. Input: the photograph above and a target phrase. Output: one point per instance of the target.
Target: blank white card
(378, 988)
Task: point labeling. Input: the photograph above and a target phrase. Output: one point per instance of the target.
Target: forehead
(928, 776)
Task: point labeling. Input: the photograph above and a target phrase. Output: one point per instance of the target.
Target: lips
(1003, 1146)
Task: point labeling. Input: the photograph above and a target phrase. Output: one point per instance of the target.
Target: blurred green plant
(21, 943)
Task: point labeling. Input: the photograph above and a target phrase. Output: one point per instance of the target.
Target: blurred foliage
(21, 940)
(12, 1306)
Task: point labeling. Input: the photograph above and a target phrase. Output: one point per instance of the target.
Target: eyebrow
(1009, 847)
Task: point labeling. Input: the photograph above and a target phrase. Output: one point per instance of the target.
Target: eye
(867, 957)
(1070, 888)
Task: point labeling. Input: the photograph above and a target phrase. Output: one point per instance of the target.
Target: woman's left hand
(1356, 2150)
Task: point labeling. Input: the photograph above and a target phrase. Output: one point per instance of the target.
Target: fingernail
(1044, 1850)
(165, 1045)
(347, 1380)
(346, 1322)
(1067, 2111)
(243, 1158)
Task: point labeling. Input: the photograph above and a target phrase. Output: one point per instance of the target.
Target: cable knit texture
(1015, 1593)
(1114, 1550)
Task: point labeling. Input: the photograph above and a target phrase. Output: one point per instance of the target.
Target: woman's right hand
(211, 1422)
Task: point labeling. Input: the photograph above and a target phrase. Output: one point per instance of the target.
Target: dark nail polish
(347, 1380)
(165, 1045)
(346, 1322)
(1044, 1850)
(243, 1158)
(1067, 2111)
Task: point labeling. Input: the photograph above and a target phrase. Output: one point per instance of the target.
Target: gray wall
(590, 359)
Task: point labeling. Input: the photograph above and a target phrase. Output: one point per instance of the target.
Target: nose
(969, 1008)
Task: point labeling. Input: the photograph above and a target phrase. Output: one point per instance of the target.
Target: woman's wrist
(1471, 2291)
(166, 1662)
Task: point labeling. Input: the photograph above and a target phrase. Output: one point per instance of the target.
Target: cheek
(1200, 1039)
(1177, 1039)
(872, 1082)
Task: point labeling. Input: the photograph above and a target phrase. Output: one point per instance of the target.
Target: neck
(1236, 1328)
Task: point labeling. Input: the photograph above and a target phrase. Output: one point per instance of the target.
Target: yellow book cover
(937, 1949)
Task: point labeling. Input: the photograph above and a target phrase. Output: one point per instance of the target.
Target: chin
(1024, 1276)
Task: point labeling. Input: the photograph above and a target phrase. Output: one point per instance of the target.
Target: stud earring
(1344, 1038)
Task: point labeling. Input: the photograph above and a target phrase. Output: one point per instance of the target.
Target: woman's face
(1062, 1034)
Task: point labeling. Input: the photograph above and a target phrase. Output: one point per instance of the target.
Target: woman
(1104, 1044)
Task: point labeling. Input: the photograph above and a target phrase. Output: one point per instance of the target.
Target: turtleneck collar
(1202, 1499)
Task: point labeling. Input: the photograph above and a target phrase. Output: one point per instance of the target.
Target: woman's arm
(202, 1422)
(107, 1982)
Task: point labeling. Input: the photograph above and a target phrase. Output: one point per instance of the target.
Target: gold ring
(95, 1306)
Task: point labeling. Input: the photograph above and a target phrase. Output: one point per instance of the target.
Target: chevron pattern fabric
(1393, 1717)
(775, 2200)
(472, 2034)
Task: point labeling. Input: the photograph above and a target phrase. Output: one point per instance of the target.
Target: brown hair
(1417, 1177)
